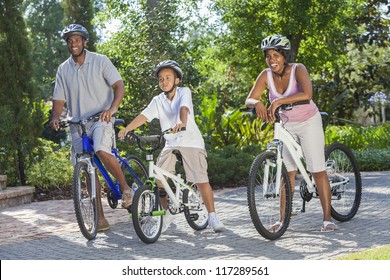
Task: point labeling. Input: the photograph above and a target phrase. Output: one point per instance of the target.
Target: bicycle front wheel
(197, 215)
(269, 207)
(84, 204)
(146, 215)
(345, 181)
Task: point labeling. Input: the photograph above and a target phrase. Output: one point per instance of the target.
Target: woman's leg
(323, 188)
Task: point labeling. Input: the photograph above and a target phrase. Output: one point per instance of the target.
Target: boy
(173, 107)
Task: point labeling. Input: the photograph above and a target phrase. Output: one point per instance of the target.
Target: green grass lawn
(380, 253)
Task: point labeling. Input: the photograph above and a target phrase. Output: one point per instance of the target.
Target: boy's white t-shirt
(168, 113)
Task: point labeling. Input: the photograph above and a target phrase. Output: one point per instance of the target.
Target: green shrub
(360, 137)
(52, 168)
(373, 159)
(229, 166)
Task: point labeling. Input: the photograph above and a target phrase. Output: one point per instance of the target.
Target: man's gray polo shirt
(86, 88)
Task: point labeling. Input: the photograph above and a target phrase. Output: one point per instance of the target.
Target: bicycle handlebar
(286, 107)
(66, 123)
(150, 139)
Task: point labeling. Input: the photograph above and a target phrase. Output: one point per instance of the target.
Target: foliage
(230, 128)
(150, 31)
(373, 159)
(359, 137)
(48, 47)
(81, 12)
(229, 166)
(22, 116)
(52, 168)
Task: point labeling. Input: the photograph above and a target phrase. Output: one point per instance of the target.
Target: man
(90, 84)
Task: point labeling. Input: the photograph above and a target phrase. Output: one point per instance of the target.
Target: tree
(150, 31)
(20, 109)
(81, 12)
(44, 21)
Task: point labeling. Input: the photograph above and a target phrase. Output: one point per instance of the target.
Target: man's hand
(55, 124)
(105, 116)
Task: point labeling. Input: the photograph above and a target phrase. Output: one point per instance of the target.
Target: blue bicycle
(84, 185)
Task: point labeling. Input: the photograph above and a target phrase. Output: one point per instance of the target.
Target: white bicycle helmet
(75, 29)
(275, 42)
(169, 64)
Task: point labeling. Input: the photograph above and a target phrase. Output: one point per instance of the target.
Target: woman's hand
(271, 110)
(261, 111)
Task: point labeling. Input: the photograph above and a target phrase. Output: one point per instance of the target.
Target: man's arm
(56, 111)
(119, 93)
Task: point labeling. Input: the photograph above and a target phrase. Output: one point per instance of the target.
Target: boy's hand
(178, 127)
(122, 133)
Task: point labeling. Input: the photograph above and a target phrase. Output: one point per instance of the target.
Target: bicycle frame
(161, 175)
(88, 150)
(283, 139)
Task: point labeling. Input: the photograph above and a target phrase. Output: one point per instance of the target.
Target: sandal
(328, 226)
(275, 227)
(103, 225)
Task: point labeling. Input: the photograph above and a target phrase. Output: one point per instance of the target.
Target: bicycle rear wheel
(345, 181)
(138, 173)
(270, 210)
(147, 223)
(197, 215)
(85, 206)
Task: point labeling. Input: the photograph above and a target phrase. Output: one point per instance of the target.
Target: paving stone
(48, 230)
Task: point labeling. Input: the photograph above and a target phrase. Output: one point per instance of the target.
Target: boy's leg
(207, 196)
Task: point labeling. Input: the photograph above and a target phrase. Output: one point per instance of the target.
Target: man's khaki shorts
(101, 133)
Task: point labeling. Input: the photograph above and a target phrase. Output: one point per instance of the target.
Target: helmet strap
(167, 93)
(283, 71)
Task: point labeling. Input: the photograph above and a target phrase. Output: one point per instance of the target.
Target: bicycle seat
(178, 155)
(324, 116)
(119, 122)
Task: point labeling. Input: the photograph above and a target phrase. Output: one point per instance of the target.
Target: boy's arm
(183, 119)
(137, 122)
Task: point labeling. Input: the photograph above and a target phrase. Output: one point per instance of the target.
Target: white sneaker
(215, 223)
(167, 219)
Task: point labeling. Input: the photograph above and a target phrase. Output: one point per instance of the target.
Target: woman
(289, 83)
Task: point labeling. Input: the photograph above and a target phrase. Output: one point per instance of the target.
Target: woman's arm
(253, 98)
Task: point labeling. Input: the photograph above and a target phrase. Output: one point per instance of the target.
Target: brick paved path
(47, 230)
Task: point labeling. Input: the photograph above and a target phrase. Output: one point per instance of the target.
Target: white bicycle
(183, 197)
(269, 189)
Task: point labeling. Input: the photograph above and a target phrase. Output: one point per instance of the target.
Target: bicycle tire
(146, 225)
(266, 209)
(346, 197)
(139, 170)
(86, 208)
(197, 215)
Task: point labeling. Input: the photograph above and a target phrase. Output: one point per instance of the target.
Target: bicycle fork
(91, 171)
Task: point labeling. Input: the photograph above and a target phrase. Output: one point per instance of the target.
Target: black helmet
(169, 64)
(75, 29)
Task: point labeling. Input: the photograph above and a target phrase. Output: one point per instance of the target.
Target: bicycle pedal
(295, 211)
